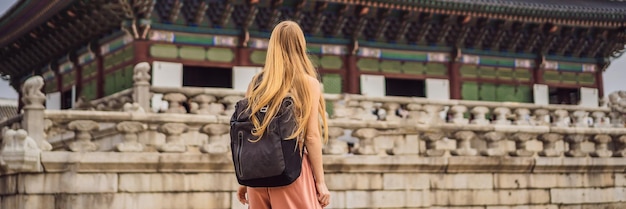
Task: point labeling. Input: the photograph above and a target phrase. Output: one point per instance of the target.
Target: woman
(288, 71)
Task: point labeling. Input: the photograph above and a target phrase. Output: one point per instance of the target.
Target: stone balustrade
(389, 152)
(113, 102)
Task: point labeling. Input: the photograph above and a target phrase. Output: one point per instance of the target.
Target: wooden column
(538, 72)
(141, 50)
(100, 72)
(454, 77)
(242, 56)
(352, 73)
(600, 82)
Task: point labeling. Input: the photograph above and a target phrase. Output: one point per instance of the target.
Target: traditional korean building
(535, 51)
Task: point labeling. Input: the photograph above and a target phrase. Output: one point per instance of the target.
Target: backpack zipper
(241, 142)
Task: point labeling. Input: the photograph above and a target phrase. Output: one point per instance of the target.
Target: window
(405, 87)
(207, 77)
(569, 96)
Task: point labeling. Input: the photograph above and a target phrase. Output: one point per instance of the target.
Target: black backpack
(272, 161)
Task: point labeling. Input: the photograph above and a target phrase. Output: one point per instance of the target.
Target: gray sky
(614, 77)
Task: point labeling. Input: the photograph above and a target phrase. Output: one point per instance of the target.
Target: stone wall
(193, 180)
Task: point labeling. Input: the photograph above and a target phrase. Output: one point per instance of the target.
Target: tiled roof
(7, 111)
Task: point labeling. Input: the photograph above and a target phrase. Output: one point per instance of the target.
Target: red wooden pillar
(100, 73)
(538, 72)
(454, 77)
(242, 56)
(141, 50)
(600, 83)
(352, 72)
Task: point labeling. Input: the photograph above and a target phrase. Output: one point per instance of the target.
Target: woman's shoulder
(313, 82)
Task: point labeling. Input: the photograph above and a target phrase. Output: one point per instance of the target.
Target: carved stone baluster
(522, 116)
(33, 120)
(414, 112)
(549, 145)
(335, 146)
(216, 107)
(202, 102)
(130, 130)
(561, 118)
(82, 130)
(366, 141)
(364, 110)
(230, 102)
(431, 140)
(479, 113)
(113, 104)
(502, 114)
(458, 112)
(217, 143)
(141, 85)
(575, 145)
(520, 145)
(617, 119)
(494, 147)
(341, 111)
(464, 148)
(621, 146)
(580, 118)
(599, 120)
(391, 108)
(172, 133)
(431, 115)
(541, 117)
(602, 148)
(175, 100)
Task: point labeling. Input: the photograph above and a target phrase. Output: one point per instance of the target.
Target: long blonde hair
(286, 71)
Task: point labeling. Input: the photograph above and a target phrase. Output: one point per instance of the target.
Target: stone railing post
(33, 120)
(334, 146)
(479, 113)
(580, 118)
(502, 114)
(575, 145)
(617, 103)
(520, 145)
(141, 85)
(130, 130)
(464, 147)
(202, 106)
(458, 112)
(599, 120)
(173, 142)
(431, 115)
(549, 144)
(391, 108)
(174, 100)
(431, 140)
(561, 118)
(494, 140)
(522, 116)
(541, 117)
(414, 112)
(366, 141)
(230, 102)
(601, 144)
(82, 130)
(20, 152)
(216, 143)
